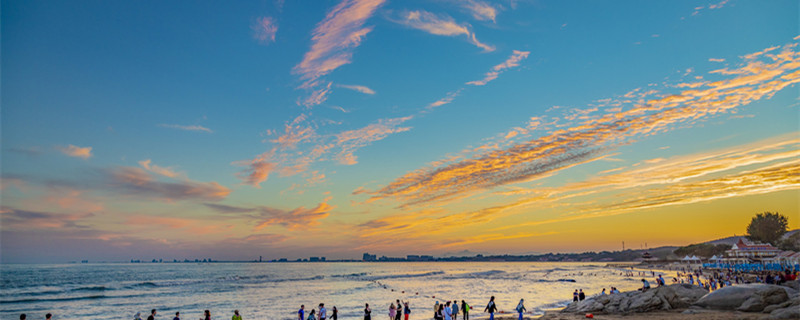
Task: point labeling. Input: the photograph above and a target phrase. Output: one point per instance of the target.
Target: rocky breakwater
(676, 296)
(780, 302)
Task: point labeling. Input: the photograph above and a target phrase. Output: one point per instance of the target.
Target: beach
(659, 315)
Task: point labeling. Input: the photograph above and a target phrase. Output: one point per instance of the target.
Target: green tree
(767, 227)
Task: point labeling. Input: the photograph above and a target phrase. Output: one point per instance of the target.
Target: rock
(661, 298)
(795, 284)
(785, 313)
(734, 297)
(753, 304)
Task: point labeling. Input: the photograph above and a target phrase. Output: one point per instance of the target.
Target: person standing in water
(48, 316)
(311, 315)
(334, 314)
(177, 316)
(367, 312)
(152, 315)
(236, 315)
(323, 313)
(448, 313)
(207, 315)
(406, 309)
(465, 309)
(454, 309)
(491, 308)
(392, 311)
(521, 308)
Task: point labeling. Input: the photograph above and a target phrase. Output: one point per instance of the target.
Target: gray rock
(661, 298)
(753, 304)
(792, 284)
(733, 297)
(785, 313)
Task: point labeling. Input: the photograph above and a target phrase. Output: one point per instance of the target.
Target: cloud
(716, 60)
(259, 240)
(442, 25)
(264, 30)
(186, 128)
(16, 219)
(136, 181)
(513, 61)
(258, 170)
(362, 89)
(352, 140)
(443, 101)
(317, 96)
(648, 114)
(228, 209)
(75, 151)
(335, 37)
(167, 172)
(480, 10)
(288, 157)
(294, 219)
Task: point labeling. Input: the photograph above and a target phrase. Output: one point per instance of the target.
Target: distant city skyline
(291, 129)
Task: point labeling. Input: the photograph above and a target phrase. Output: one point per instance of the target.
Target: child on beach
(392, 311)
(521, 308)
(491, 308)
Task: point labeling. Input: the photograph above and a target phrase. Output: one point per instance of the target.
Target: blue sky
(141, 124)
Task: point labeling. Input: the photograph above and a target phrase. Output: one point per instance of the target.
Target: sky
(289, 129)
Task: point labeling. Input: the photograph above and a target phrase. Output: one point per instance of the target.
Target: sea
(276, 290)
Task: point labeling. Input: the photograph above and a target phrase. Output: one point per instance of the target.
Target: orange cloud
(294, 219)
(440, 25)
(512, 61)
(78, 152)
(651, 113)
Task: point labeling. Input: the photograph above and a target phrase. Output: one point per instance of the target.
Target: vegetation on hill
(704, 250)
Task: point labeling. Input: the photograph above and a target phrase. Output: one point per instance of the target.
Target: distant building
(370, 257)
(313, 259)
(750, 250)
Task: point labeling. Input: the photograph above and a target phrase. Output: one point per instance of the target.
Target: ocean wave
(482, 274)
(92, 297)
(403, 275)
(349, 275)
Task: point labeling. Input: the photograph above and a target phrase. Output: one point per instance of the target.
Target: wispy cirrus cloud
(164, 171)
(77, 152)
(480, 10)
(760, 75)
(441, 25)
(186, 128)
(352, 140)
(443, 101)
(264, 30)
(512, 61)
(335, 38)
(362, 89)
(301, 145)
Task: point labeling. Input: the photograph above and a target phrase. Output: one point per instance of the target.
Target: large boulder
(787, 310)
(747, 297)
(660, 298)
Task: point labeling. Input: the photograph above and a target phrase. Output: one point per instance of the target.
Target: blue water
(276, 290)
